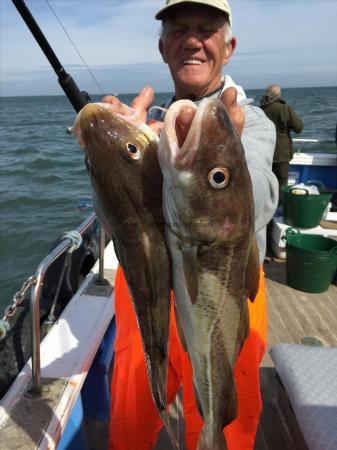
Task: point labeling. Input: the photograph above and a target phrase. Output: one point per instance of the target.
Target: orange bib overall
(135, 423)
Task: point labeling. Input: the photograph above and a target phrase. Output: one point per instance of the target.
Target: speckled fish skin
(127, 182)
(214, 255)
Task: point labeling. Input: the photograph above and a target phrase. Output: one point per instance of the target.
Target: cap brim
(161, 14)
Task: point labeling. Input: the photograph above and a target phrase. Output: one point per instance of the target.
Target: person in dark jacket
(285, 120)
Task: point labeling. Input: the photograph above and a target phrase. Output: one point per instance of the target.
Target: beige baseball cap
(222, 5)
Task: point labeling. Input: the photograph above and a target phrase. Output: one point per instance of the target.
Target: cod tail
(214, 441)
(166, 421)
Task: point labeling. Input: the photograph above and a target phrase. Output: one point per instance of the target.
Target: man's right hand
(137, 112)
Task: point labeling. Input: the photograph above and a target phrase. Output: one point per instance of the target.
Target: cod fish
(209, 214)
(126, 178)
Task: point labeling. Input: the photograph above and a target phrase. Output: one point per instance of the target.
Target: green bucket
(304, 211)
(311, 261)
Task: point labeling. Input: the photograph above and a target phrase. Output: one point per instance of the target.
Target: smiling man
(196, 41)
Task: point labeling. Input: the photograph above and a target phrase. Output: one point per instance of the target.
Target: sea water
(43, 179)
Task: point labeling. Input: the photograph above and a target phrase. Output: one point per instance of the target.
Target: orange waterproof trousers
(135, 423)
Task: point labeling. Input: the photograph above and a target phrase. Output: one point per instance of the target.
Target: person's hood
(268, 98)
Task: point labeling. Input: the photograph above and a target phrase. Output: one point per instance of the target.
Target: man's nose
(193, 40)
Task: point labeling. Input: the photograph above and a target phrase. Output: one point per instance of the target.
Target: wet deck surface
(292, 316)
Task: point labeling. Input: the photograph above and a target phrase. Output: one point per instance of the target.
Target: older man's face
(194, 47)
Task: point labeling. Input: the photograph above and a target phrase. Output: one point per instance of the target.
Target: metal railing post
(35, 389)
(302, 141)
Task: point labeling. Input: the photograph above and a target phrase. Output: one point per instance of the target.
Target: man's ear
(230, 47)
(161, 47)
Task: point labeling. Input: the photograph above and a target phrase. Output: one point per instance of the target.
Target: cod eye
(218, 177)
(133, 151)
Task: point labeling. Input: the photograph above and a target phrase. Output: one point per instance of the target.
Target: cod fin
(253, 270)
(180, 330)
(152, 268)
(218, 443)
(197, 401)
(190, 264)
(166, 421)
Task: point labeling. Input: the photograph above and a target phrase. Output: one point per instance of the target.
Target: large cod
(209, 214)
(127, 182)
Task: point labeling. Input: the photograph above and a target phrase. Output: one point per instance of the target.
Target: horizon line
(156, 93)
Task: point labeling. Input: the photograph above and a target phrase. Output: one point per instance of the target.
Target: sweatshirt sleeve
(258, 139)
(295, 122)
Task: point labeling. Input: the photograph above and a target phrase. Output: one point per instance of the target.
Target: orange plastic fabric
(135, 423)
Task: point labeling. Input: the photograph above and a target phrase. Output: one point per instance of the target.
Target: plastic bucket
(311, 261)
(303, 211)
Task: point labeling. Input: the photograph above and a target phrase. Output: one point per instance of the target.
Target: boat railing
(302, 141)
(66, 245)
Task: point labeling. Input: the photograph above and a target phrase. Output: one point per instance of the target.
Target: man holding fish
(219, 193)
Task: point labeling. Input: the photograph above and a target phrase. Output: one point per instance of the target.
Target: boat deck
(292, 316)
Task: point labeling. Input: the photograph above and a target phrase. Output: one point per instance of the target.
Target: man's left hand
(235, 112)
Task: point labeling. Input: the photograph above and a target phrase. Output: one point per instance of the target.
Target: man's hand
(235, 112)
(137, 112)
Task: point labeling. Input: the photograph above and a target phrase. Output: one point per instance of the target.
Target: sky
(289, 42)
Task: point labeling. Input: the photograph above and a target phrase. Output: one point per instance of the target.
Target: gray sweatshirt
(258, 139)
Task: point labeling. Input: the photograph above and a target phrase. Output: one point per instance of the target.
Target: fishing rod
(77, 98)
